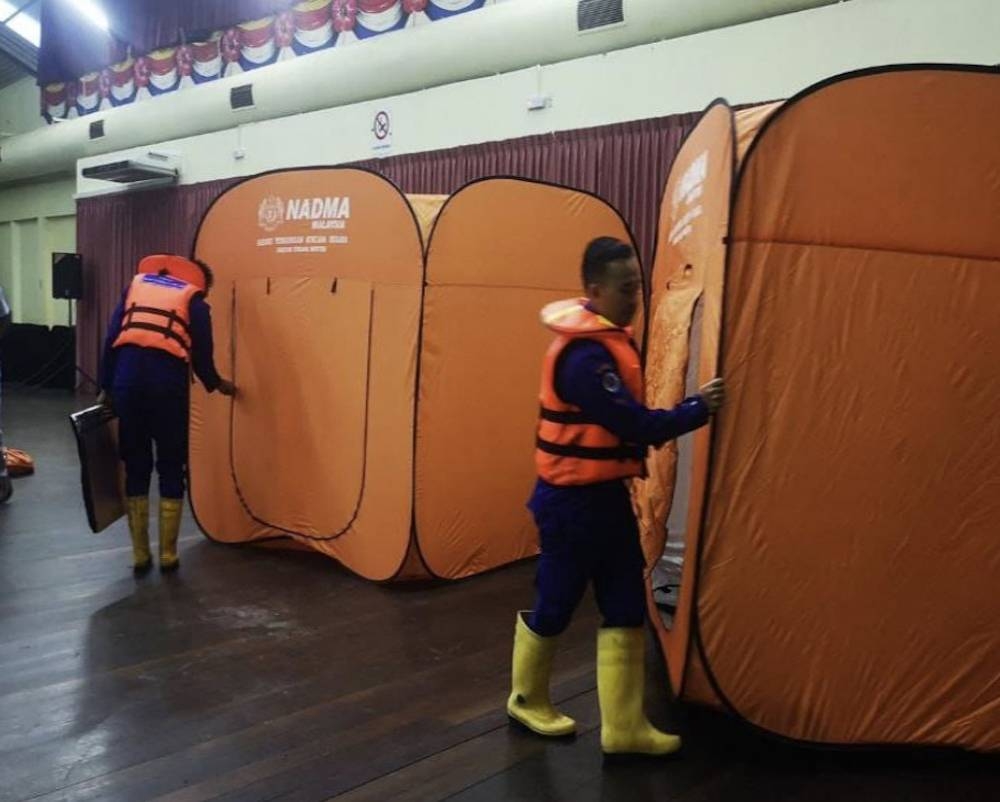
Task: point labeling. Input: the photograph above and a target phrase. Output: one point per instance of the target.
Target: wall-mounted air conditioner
(150, 168)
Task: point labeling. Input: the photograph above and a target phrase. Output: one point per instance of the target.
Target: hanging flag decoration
(303, 28)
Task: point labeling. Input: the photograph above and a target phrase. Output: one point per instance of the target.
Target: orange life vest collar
(574, 318)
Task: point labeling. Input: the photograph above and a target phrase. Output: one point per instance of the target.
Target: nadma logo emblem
(271, 213)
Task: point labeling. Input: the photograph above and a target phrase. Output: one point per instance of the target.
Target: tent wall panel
(846, 522)
(873, 442)
(951, 204)
(697, 685)
(476, 435)
(748, 122)
(501, 249)
(381, 249)
(845, 577)
(426, 209)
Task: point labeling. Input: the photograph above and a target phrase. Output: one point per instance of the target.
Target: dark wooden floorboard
(262, 675)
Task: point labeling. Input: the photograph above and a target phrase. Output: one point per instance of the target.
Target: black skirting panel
(39, 356)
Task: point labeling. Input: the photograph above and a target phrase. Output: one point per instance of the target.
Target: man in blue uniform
(159, 332)
(593, 434)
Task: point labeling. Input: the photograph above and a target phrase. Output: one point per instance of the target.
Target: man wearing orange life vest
(593, 435)
(159, 332)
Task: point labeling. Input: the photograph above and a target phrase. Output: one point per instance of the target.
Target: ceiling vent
(241, 97)
(593, 14)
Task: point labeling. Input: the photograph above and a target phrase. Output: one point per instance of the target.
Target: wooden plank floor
(259, 675)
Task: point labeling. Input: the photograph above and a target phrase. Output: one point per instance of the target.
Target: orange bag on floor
(18, 462)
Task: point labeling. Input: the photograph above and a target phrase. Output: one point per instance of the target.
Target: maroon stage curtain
(113, 232)
(625, 164)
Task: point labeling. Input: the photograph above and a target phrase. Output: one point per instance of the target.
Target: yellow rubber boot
(529, 703)
(138, 527)
(170, 527)
(621, 674)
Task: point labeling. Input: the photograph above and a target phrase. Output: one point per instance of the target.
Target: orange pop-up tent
(838, 529)
(387, 400)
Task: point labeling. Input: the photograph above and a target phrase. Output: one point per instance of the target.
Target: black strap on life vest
(172, 316)
(620, 453)
(556, 416)
(128, 322)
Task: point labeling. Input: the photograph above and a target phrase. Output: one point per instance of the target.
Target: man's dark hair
(599, 254)
(207, 272)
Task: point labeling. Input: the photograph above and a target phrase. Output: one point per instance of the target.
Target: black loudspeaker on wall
(67, 275)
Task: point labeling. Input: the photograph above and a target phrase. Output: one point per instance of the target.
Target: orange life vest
(158, 314)
(570, 449)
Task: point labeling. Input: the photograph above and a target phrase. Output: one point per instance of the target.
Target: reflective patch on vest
(164, 281)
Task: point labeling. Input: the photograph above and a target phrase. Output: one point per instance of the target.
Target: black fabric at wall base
(39, 356)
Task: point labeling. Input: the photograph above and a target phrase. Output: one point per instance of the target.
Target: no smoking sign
(382, 130)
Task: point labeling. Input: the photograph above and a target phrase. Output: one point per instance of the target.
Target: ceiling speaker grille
(241, 97)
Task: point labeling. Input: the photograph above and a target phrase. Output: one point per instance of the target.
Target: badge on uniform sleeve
(611, 381)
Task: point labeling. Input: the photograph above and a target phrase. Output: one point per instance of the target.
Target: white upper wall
(50, 198)
(35, 221)
(502, 38)
(769, 59)
(20, 110)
